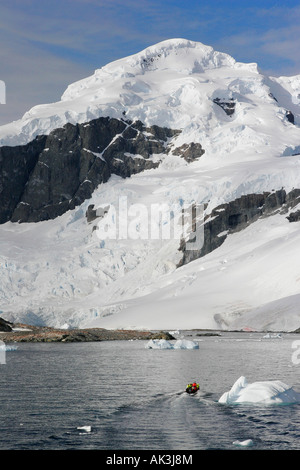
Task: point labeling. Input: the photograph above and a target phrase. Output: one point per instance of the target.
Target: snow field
(59, 271)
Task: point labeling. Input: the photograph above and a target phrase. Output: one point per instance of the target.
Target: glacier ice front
(164, 344)
(265, 392)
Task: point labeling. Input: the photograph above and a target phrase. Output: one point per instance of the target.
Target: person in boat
(192, 388)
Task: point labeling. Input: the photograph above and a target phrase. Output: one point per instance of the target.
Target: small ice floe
(164, 344)
(7, 347)
(85, 428)
(246, 443)
(175, 332)
(270, 336)
(266, 392)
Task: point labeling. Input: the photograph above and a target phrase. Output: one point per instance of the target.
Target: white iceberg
(186, 344)
(270, 336)
(85, 428)
(246, 443)
(6, 347)
(164, 344)
(159, 344)
(266, 392)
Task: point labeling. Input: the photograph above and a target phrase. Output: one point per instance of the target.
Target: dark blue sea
(118, 395)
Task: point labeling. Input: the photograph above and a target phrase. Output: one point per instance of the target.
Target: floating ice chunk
(6, 347)
(186, 344)
(85, 428)
(246, 443)
(267, 392)
(159, 344)
(276, 335)
(164, 344)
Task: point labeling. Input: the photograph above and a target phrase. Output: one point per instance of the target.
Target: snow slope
(59, 271)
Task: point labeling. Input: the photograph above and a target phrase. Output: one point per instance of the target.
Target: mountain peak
(179, 56)
(186, 51)
(175, 83)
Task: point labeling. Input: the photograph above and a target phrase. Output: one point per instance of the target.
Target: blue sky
(45, 45)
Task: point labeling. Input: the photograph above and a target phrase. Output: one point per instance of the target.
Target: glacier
(58, 271)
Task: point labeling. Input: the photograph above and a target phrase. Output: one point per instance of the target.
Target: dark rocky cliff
(55, 173)
(235, 216)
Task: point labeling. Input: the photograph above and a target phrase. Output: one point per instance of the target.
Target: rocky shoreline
(18, 333)
(21, 333)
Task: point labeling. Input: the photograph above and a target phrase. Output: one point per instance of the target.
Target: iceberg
(270, 336)
(159, 344)
(5, 347)
(265, 392)
(246, 443)
(186, 344)
(85, 428)
(164, 344)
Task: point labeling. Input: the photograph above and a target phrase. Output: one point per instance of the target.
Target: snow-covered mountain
(204, 129)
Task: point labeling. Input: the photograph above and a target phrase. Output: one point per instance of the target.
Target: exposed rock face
(227, 105)
(92, 214)
(5, 325)
(290, 117)
(16, 166)
(294, 216)
(237, 215)
(55, 173)
(189, 152)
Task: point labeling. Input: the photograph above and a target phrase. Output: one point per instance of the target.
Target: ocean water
(119, 395)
